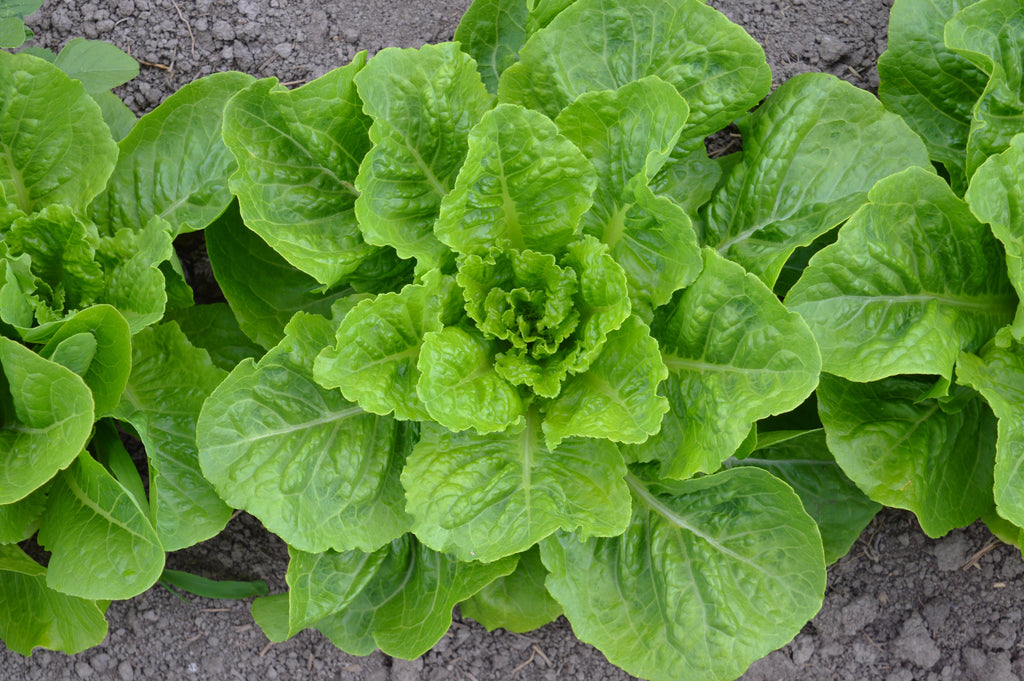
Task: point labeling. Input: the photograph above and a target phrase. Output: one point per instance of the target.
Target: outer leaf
(483, 497)
(802, 459)
(264, 304)
(998, 374)
(905, 450)
(628, 134)
(997, 197)
(32, 615)
(120, 119)
(314, 468)
(990, 34)
(20, 520)
(173, 164)
(101, 541)
(406, 607)
(518, 602)
(106, 372)
(98, 65)
(459, 386)
(810, 155)
(298, 153)
(46, 415)
(711, 574)
(735, 355)
(423, 103)
(604, 44)
(170, 381)
(54, 145)
(912, 280)
(214, 329)
(929, 85)
(522, 186)
(492, 31)
(616, 398)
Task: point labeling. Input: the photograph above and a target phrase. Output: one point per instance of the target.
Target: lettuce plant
(524, 338)
(88, 282)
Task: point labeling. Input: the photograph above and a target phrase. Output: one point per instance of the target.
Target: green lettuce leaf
(734, 355)
(54, 146)
(98, 65)
(998, 374)
(996, 196)
(375, 354)
(522, 186)
(423, 103)
(134, 282)
(101, 541)
(908, 450)
(811, 152)
(484, 497)
(20, 520)
(173, 164)
(802, 460)
(989, 34)
(492, 31)
(298, 153)
(32, 615)
(929, 85)
(214, 328)
(604, 44)
(518, 602)
(711, 574)
(314, 468)
(913, 279)
(46, 417)
(169, 383)
(628, 135)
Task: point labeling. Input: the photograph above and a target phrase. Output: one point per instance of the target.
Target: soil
(899, 607)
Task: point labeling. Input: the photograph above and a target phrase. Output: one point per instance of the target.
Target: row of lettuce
(499, 332)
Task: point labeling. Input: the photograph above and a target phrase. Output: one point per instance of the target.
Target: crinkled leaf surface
(811, 152)
(518, 602)
(734, 355)
(173, 164)
(996, 197)
(46, 416)
(617, 397)
(802, 459)
(32, 615)
(929, 85)
(913, 279)
(170, 380)
(522, 186)
(904, 449)
(492, 31)
(102, 543)
(406, 606)
(423, 103)
(990, 34)
(604, 44)
(54, 145)
(110, 362)
(263, 304)
(711, 574)
(374, 356)
(628, 134)
(313, 467)
(483, 497)
(998, 374)
(298, 153)
(134, 283)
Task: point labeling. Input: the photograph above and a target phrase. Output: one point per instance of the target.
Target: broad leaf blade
(518, 602)
(492, 31)
(173, 164)
(913, 279)
(98, 65)
(101, 541)
(483, 497)
(710, 575)
(904, 450)
(811, 152)
(313, 467)
(734, 355)
(169, 383)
